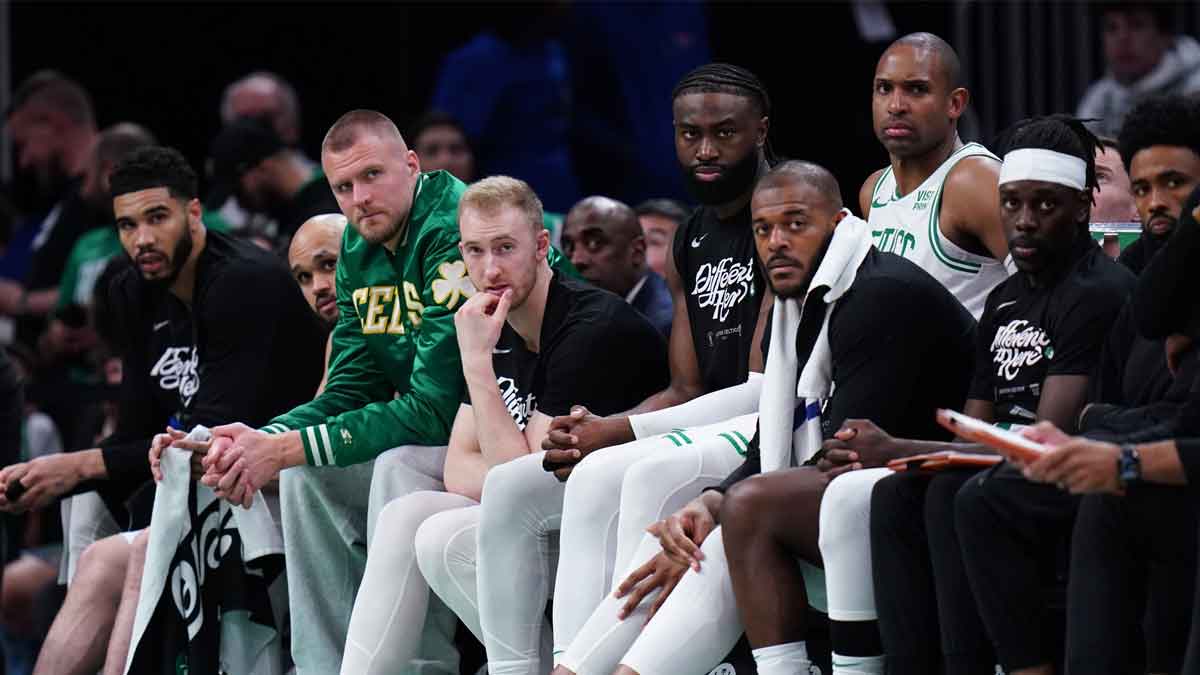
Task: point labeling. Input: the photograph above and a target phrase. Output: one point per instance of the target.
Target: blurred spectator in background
(441, 143)
(509, 88)
(263, 95)
(251, 161)
(1113, 200)
(268, 96)
(1144, 56)
(53, 126)
(623, 56)
(604, 241)
(659, 219)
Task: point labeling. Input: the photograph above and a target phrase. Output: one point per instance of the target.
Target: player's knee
(508, 487)
(845, 511)
(743, 508)
(102, 566)
(296, 484)
(429, 545)
(590, 490)
(970, 503)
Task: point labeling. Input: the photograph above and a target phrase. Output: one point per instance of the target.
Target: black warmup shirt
(1027, 334)
(718, 265)
(1138, 254)
(595, 350)
(247, 349)
(1134, 396)
(901, 347)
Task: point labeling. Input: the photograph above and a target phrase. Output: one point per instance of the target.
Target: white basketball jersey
(908, 226)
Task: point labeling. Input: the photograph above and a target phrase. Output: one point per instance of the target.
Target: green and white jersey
(907, 225)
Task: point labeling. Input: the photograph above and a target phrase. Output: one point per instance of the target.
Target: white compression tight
(692, 630)
(518, 521)
(393, 599)
(653, 478)
(447, 555)
(845, 541)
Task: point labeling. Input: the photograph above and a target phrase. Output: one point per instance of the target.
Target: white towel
(789, 422)
(179, 560)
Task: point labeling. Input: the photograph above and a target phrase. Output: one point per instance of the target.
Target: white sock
(785, 659)
(857, 665)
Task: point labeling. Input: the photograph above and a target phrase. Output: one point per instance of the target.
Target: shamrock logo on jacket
(453, 284)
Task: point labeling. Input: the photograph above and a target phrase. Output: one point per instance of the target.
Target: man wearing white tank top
(935, 203)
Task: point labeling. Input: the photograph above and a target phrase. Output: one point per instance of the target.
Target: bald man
(604, 240)
(936, 201)
(313, 258)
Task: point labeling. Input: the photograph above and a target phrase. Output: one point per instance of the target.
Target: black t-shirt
(248, 349)
(902, 347)
(1138, 254)
(1028, 333)
(723, 283)
(595, 350)
(1135, 397)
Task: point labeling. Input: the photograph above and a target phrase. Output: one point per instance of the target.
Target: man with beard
(53, 128)
(187, 358)
(379, 429)
(935, 204)
(1160, 142)
(251, 161)
(721, 117)
(829, 283)
(1038, 342)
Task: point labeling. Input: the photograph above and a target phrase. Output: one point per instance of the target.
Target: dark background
(164, 65)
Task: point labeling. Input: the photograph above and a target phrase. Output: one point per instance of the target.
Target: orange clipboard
(1012, 446)
(949, 459)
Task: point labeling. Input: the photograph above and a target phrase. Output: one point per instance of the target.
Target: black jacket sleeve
(139, 414)
(11, 413)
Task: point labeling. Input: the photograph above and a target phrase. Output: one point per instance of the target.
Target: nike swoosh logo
(1005, 304)
(877, 205)
(697, 240)
(500, 351)
(160, 324)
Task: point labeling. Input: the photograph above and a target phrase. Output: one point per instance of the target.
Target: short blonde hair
(487, 196)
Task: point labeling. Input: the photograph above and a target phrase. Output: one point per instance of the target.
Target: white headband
(1044, 165)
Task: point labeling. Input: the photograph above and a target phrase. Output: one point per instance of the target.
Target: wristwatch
(1129, 465)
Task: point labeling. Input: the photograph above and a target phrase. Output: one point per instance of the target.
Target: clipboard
(939, 461)
(1013, 447)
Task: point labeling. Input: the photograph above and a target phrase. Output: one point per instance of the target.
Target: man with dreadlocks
(721, 115)
(935, 204)
(909, 557)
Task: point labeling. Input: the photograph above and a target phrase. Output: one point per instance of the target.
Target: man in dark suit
(604, 241)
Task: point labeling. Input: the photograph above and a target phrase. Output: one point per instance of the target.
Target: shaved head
(349, 127)
(611, 215)
(805, 173)
(947, 58)
(313, 257)
(603, 239)
(325, 229)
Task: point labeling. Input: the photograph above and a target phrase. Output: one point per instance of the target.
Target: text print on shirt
(177, 369)
(519, 408)
(723, 285)
(1019, 344)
